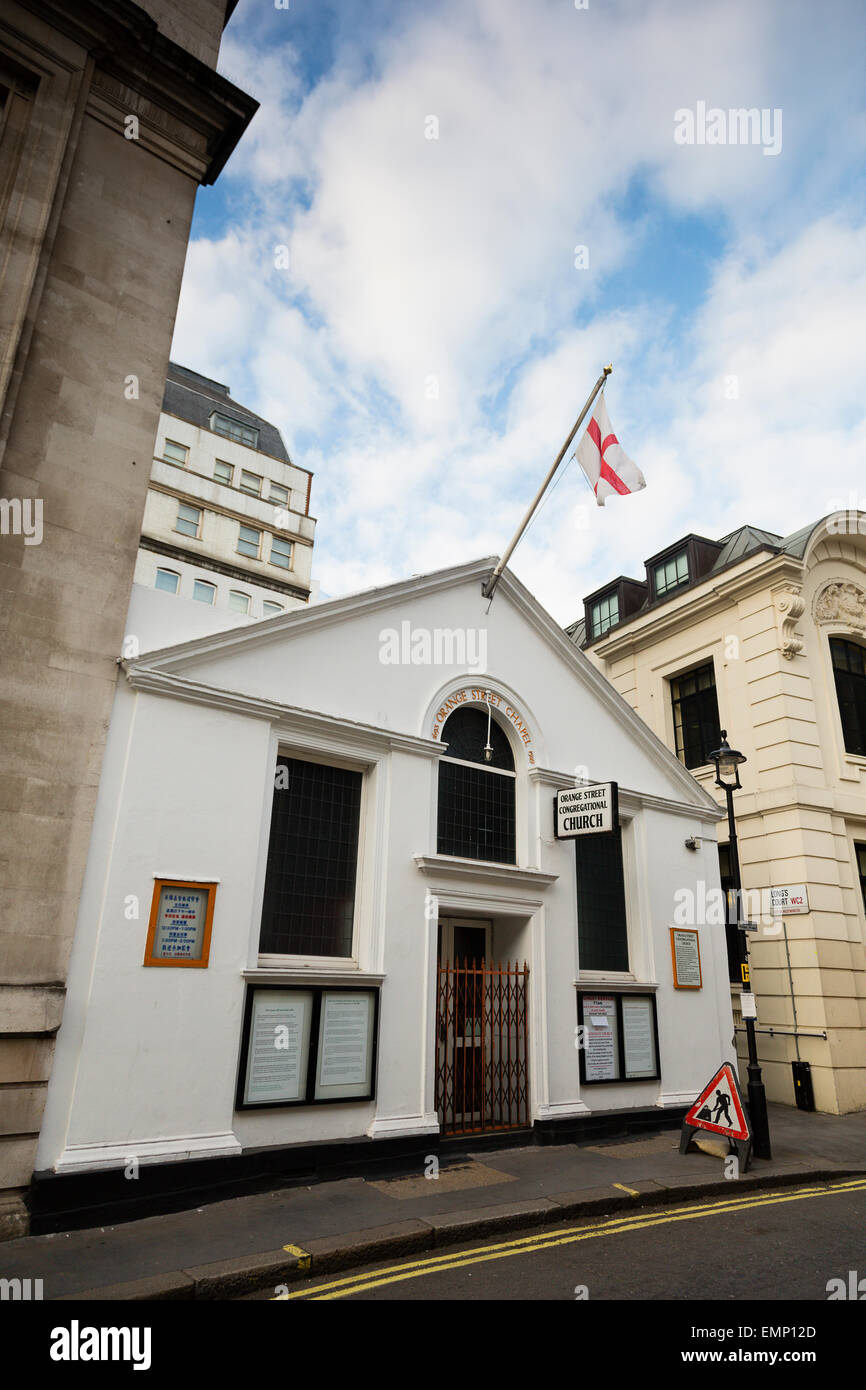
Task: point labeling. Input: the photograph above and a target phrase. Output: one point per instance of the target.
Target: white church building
(325, 903)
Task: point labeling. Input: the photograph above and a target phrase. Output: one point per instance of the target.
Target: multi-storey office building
(227, 521)
(765, 636)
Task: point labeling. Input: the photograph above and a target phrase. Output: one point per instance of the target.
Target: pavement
(231, 1248)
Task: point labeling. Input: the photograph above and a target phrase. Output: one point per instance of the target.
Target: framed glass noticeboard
(307, 1046)
(686, 956)
(601, 1038)
(345, 1051)
(278, 1047)
(639, 1036)
(181, 917)
(619, 1037)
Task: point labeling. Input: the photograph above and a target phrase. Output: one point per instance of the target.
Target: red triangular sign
(718, 1102)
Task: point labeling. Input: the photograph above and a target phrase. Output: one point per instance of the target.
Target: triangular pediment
(387, 657)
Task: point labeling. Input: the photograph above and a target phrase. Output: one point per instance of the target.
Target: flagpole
(490, 586)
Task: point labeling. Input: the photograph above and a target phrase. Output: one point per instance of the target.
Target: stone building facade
(765, 636)
(112, 115)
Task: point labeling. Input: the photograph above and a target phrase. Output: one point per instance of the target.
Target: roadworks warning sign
(719, 1107)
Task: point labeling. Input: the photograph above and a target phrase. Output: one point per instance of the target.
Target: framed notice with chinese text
(181, 917)
(686, 956)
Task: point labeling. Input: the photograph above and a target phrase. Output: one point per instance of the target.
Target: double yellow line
(548, 1240)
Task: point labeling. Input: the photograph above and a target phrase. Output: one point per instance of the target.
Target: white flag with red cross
(607, 466)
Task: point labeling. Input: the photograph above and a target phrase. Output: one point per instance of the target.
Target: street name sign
(788, 901)
(585, 810)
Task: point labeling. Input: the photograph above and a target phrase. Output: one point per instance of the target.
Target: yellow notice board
(686, 957)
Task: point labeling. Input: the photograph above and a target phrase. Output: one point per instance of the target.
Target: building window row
(251, 483)
(251, 539)
(310, 879)
(206, 592)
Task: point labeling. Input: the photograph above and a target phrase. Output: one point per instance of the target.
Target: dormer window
(604, 614)
(234, 429)
(671, 574)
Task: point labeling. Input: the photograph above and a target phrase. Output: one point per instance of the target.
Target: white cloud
(452, 259)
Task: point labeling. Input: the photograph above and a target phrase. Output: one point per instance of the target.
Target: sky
(445, 219)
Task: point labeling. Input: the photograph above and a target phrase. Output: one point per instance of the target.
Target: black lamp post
(727, 761)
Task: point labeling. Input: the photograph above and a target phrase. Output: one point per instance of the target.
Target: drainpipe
(791, 986)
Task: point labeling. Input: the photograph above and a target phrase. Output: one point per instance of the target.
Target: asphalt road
(779, 1244)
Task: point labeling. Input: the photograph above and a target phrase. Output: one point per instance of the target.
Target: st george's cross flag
(607, 467)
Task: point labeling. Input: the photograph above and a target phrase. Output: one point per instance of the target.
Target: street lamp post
(727, 761)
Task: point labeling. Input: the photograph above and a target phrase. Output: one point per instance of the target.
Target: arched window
(476, 798)
(849, 670)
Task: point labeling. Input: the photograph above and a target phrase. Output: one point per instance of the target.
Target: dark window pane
(696, 715)
(476, 814)
(465, 732)
(849, 670)
(861, 869)
(601, 923)
(309, 903)
(605, 614)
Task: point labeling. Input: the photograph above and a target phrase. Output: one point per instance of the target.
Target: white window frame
(239, 593)
(222, 463)
(280, 501)
(198, 530)
(258, 555)
(245, 473)
(291, 556)
(205, 583)
(176, 444)
(160, 569)
(234, 430)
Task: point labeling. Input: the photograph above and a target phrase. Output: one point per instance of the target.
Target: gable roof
(164, 668)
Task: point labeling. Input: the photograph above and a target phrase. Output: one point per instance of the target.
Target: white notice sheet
(345, 1043)
(278, 1046)
(638, 1037)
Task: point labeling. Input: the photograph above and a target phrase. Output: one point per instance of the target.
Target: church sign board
(586, 810)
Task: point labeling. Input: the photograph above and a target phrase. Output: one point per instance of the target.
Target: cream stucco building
(765, 636)
(227, 522)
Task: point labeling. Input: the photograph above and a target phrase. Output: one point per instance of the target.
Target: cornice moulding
(288, 718)
(648, 629)
(444, 866)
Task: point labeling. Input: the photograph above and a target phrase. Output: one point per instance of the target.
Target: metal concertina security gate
(482, 1080)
